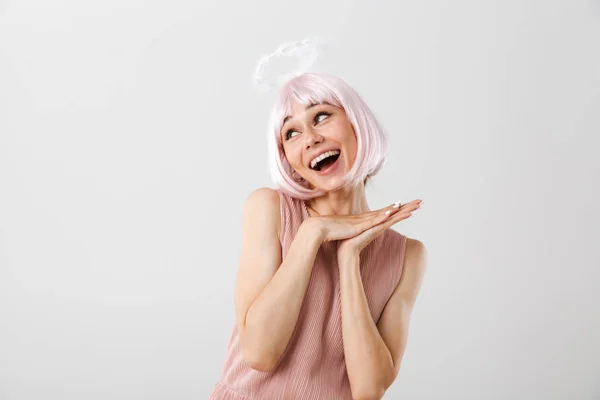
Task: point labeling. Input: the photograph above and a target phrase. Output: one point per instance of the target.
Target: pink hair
(309, 88)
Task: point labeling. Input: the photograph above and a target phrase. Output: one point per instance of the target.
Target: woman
(324, 289)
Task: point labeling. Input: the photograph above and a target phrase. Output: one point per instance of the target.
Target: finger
(391, 213)
(414, 202)
(413, 205)
(391, 209)
(376, 217)
(387, 222)
(398, 204)
(399, 217)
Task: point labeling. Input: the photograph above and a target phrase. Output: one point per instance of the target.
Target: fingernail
(387, 212)
(396, 205)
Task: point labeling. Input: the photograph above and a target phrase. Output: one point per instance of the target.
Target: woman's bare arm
(269, 292)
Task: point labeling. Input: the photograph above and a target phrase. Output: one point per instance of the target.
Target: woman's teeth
(323, 156)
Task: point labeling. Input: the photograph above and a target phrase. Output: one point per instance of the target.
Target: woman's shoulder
(399, 242)
(407, 244)
(263, 204)
(276, 199)
(264, 194)
(414, 253)
(262, 198)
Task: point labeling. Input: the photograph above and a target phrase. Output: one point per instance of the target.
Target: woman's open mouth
(328, 165)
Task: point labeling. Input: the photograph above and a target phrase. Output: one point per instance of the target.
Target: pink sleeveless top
(313, 366)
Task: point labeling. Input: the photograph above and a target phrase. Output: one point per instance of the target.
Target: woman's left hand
(354, 245)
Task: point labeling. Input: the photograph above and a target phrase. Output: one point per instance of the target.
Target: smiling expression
(313, 129)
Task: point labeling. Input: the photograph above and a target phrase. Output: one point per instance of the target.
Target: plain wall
(131, 135)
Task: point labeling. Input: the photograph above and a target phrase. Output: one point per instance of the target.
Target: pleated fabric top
(312, 365)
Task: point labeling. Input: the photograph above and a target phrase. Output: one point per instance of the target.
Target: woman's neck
(340, 202)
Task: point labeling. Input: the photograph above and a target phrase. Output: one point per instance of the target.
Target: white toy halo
(307, 52)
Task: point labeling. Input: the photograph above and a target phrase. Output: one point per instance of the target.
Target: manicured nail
(396, 205)
(387, 212)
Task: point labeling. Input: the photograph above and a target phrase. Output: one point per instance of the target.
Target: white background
(131, 135)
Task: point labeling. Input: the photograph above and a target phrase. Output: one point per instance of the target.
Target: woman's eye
(287, 134)
(322, 113)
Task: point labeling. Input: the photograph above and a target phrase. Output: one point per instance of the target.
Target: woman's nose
(311, 137)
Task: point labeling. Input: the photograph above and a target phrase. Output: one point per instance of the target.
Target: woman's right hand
(338, 227)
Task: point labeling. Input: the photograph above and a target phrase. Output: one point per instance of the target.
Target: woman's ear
(296, 176)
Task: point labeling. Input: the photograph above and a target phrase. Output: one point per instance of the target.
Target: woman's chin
(328, 184)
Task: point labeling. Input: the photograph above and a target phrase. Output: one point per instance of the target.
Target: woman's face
(312, 130)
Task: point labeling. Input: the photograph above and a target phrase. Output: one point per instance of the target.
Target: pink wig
(317, 88)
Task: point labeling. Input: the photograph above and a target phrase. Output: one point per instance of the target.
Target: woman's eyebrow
(307, 107)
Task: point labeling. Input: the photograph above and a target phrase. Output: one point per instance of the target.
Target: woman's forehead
(299, 106)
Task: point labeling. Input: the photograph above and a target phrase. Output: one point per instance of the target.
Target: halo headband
(305, 50)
